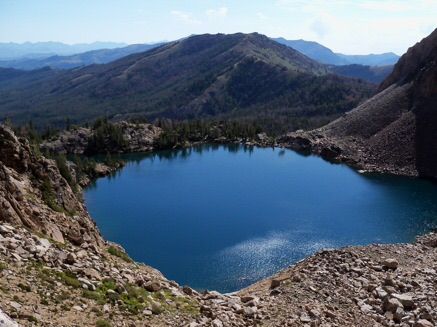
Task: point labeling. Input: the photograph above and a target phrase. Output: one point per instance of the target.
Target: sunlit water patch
(223, 217)
(252, 260)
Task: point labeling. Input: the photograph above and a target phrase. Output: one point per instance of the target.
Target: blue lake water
(223, 217)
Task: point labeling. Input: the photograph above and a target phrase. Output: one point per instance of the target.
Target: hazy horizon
(123, 44)
(361, 27)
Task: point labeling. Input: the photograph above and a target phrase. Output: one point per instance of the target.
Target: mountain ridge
(382, 59)
(12, 50)
(365, 70)
(222, 76)
(375, 74)
(98, 56)
(323, 54)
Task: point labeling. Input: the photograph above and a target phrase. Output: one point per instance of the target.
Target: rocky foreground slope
(56, 270)
(394, 131)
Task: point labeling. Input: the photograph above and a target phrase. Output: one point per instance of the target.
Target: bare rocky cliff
(31, 186)
(394, 131)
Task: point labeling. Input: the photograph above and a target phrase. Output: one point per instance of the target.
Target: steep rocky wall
(394, 131)
(28, 182)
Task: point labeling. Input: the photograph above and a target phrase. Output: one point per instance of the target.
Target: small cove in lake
(224, 216)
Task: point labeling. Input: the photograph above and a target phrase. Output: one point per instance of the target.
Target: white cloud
(320, 26)
(291, 5)
(217, 13)
(310, 5)
(186, 17)
(427, 26)
(261, 16)
(386, 5)
(285, 3)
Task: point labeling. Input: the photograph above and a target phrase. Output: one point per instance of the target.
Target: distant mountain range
(55, 54)
(383, 59)
(374, 74)
(244, 76)
(368, 69)
(100, 56)
(323, 54)
(14, 51)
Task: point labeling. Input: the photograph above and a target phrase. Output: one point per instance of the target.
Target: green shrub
(107, 284)
(97, 311)
(123, 255)
(61, 162)
(113, 297)
(65, 307)
(24, 287)
(69, 279)
(102, 323)
(91, 295)
(62, 297)
(32, 319)
(48, 195)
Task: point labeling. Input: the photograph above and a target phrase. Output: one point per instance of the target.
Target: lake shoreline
(143, 137)
(291, 182)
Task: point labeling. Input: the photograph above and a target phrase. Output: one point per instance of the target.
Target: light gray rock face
(138, 137)
(217, 323)
(392, 304)
(405, 299)
(26, 182)
(5, 321)
(73, 141)
(423, 323)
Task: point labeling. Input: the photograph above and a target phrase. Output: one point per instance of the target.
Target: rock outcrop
(394, 131)
(31, 187)
(137, 137)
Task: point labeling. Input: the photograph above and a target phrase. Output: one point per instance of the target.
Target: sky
(345, 26)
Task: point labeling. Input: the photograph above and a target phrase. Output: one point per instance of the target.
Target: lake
(222, 217)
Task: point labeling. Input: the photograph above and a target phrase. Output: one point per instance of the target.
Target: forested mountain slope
(246, 76)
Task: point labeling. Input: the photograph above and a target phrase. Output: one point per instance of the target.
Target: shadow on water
(182, 153)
